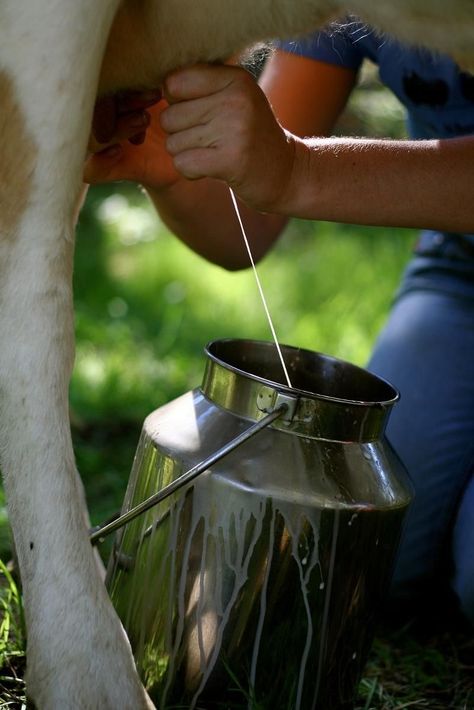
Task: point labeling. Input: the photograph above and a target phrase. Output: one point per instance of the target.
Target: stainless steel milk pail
(257, 585)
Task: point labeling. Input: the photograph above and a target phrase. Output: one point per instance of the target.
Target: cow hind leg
(50, 54)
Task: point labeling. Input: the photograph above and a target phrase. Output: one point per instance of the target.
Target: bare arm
(201, 214)
(424, 184)
(375, 182)
(307, 97)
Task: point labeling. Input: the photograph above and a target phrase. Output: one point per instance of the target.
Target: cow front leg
(50, 54)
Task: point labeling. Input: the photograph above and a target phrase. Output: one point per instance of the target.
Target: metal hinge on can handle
(101, 531)
(270, 399)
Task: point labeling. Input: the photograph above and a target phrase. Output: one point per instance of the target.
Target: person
(218, 128)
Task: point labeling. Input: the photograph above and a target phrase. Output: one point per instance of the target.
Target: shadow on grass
(424, 662)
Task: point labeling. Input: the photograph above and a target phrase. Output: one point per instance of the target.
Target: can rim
(387, 401)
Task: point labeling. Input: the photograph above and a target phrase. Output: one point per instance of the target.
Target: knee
(463, 587)
(463, 556)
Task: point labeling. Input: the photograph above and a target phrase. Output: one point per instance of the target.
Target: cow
(56, 57)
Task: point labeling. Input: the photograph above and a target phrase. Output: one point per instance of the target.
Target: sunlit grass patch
(12, 643)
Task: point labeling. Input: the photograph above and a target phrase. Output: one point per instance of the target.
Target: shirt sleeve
(333, 46)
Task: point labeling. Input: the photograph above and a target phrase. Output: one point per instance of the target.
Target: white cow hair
(51, 54)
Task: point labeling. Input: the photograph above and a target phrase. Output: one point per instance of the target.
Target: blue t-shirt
(438, 97)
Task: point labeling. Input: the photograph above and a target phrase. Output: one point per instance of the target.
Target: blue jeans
(427, 351)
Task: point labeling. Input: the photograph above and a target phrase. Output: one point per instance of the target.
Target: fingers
(200, 136)
(197, 81)
(137, 100)
(201, 162)
(209, 121)
(219, 124)
(195, 140)
(192, 113)
(208, 102)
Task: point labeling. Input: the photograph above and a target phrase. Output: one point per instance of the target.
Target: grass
(12, 642)
(145, 307)
(422, 665)
(426, 664)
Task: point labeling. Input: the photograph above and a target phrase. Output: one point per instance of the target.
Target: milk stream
(260, 289)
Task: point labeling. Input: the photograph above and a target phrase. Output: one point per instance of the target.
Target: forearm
(201, 214)
(422, 184)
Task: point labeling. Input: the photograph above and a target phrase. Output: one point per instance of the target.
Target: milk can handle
(101, 531)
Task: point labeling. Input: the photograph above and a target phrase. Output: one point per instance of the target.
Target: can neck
(317, 409)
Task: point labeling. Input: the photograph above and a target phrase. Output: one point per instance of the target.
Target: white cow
(51, 67)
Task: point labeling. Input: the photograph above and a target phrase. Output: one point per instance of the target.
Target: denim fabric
(427, 351)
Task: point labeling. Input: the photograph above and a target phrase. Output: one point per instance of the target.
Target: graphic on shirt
(467, 85)
(431, 92)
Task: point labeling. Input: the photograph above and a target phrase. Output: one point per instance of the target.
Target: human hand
(127, 142)
(220, 125)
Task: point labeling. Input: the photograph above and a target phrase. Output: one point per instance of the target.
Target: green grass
(145, 308)
(419, 665)
(427, 664)
(12, 642)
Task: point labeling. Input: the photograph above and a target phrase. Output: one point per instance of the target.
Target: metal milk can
(256, 585)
